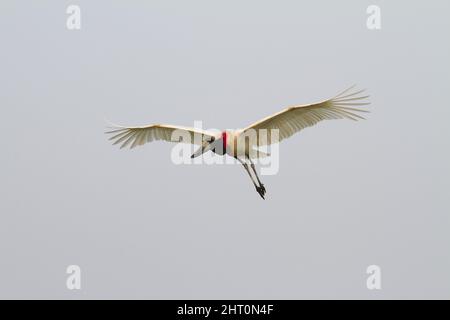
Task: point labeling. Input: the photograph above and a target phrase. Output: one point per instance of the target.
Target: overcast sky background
(347, 195)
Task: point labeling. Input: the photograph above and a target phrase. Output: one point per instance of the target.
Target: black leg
(261, 191)
(256, 174)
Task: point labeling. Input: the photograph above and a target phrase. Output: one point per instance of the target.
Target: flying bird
(236, 143)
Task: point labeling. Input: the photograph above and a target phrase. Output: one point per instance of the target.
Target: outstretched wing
(293, 119)
(136, 136)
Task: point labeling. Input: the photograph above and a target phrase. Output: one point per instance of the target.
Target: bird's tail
(255, 153)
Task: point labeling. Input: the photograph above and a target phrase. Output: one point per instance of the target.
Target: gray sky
(348, 194)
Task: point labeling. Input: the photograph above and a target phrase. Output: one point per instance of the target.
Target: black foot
(261, 191)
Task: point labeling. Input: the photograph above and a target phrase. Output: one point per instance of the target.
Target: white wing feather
(294, 119)
(136, 136)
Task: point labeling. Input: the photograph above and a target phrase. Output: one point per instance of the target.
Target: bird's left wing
(293, 119)
(136, 136)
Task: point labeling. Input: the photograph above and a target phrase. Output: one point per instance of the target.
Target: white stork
(288, 121)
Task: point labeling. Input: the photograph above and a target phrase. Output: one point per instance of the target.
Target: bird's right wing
(296, 118)
(136, 136)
